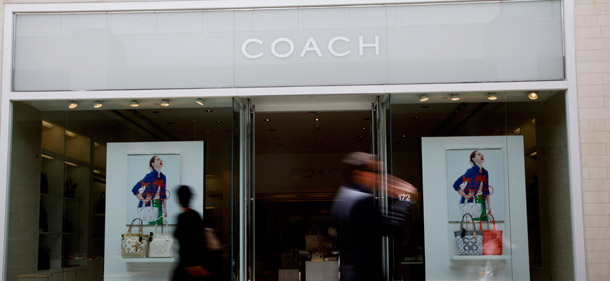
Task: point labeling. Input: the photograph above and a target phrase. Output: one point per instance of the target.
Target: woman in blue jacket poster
(152, 193)
(475, 194)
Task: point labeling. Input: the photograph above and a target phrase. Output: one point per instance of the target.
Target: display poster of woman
(148, 195)
(476, 183)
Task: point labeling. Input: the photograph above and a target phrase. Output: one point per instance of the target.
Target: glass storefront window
(524, 182)
(71, 200)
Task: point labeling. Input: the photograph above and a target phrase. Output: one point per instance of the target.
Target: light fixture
(316, 118)
(424, 98)
(532, 96)
(70, 134)
(208, 110)
(47, 124)
(164, 102)
(134, 103)
(47, 156)
(200, 102)
(455, 97)
(97, 104)
(70, 164)
(267, 119)
(492, 96)
(72, 104)
(218, 121)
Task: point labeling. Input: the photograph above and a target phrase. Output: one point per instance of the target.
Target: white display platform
(443, 263)
(116, 267)
(322, 270)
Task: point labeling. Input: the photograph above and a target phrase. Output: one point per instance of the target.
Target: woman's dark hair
(151, 161)
(184, 195)
(472, 155)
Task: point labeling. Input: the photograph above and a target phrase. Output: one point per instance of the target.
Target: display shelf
(65, 196)
(411, 262)
(148, 260)
(481, 257)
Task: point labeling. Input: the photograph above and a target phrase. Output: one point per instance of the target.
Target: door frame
(245, 107)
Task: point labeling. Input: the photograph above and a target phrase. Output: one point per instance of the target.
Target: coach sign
(392, 44)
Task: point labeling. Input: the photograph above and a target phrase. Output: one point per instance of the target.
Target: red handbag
(492, 239)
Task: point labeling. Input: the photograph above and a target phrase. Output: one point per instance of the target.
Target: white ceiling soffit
(313, 103)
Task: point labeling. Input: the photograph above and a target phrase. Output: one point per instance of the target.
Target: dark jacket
(360, 227)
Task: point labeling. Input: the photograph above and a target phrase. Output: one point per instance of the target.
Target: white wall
(592, 20)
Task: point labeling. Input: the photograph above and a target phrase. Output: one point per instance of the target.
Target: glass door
(287, 197)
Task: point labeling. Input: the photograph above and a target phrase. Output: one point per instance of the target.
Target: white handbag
(161, 244)
(148, 213)
(471, 208)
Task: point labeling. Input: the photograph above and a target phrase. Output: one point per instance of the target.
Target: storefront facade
(220, 90)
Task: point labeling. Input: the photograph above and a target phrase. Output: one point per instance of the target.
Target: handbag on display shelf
(134, 245)
(161, 244)
(312, 241)
(492, 239)
(469, 242)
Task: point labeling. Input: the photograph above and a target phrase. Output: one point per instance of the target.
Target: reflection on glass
(57, 221)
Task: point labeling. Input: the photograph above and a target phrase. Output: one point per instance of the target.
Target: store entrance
(297, 174)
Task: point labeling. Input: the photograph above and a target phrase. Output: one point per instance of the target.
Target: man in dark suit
(360, 222)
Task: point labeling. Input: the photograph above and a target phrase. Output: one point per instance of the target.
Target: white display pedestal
(441, 249)
(288, 275)
(322, 270)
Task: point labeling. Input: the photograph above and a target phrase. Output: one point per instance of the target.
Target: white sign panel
(394, 44)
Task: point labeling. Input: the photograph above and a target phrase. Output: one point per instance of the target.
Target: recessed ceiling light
(97, 104)
(164, 102)
(364, 128)
(134, 103)
(208, 110)
(267, 119)
(317, 118)
(72, 104)
(455, 97)
(218, 121)
(200, 102)
(492, 96)
(424, 98)
(532, 96)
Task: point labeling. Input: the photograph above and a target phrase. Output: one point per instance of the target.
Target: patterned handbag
(161, 243)
(469, 242)
(134, 245)
(492, 239)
